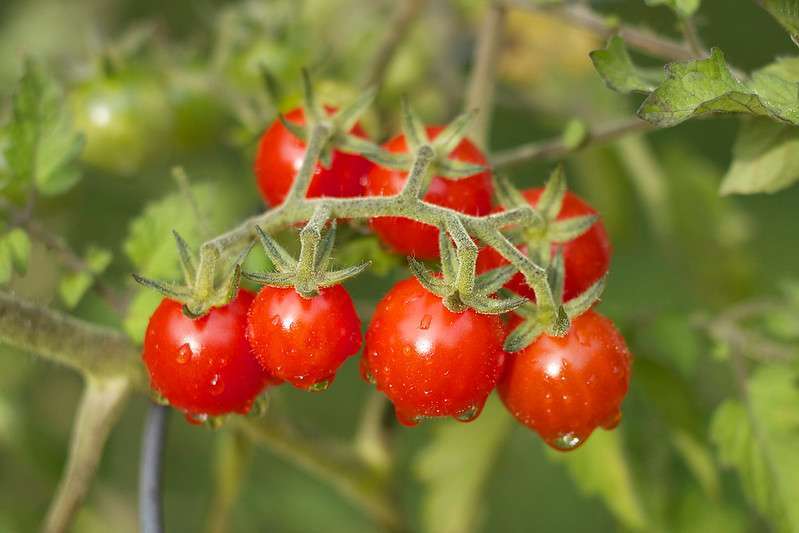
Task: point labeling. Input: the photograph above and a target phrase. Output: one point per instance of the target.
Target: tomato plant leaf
(454, 475)
(760, 438)
(616, 68)
(73, 286)
(151, 249)
(765, 158)
(42, 146)
(600, 468)
(706, 87)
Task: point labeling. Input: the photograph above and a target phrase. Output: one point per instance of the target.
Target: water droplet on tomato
(425, 322)
(275, 320)
(196, 419)
(612, 421)
(468, 414)
(184, 353)
(217, 385)
(320, 386)
(565, 442)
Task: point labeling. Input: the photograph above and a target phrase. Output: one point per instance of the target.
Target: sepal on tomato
(200, 290)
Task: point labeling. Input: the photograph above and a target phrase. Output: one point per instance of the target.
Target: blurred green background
(182, 81)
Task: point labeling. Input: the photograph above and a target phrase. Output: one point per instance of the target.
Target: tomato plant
(456, 201)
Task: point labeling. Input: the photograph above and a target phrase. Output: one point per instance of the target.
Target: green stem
(94, 350)
(100, 407)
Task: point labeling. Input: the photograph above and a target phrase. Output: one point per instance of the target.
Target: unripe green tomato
(126, 120)
(244, 70)
(198, 115)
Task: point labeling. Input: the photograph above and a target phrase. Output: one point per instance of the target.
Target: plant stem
(151, 470)
(98, 411)
(398, 27)
(556, 148)
(94, 350)
(480, 94)
(372, 441)
(644, 40)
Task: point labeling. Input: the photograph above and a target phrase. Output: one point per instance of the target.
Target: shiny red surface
(428, 360)
(471, 195)
(203, 366)
(280, 155)
(303, 340)
(568, 386)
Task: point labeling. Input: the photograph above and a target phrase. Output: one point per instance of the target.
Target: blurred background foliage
(155, 84)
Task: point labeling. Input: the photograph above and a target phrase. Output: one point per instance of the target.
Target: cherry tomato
(565, 387)
(126, 120)
(203, 366)
(586, 259)
(471, 195)
(303, 340)
(280, 155)
(428, 360)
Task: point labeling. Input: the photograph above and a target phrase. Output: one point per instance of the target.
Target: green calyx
(337, 126)
(442, 146)
(547, 229)
(310, 272)
(458, 286)
(201, 289)
(535, 321)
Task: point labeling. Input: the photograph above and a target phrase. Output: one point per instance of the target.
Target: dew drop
(369, 377)
(406, 349)
(469, 414)
(612, 421)
(196, 419)
(184, 353)
(320, 386)
(425, 322)
(217, 385)
(565, 442)
(275, 320)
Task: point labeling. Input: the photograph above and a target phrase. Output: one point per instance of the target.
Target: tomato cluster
(427, 359)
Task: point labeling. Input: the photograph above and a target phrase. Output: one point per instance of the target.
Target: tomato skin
(303, 340)
(280, 155)
(428, 360)
(203, 366)
(586, 259)
(569, 386)
(470, 195)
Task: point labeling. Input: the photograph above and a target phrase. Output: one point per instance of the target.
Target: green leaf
(600, 468)
(619, 72)
(765, 158)
(684, 8)
(15, 249)
(42, 146)
(574, 134)
(760, 440)
(73, 286)
(151, 248)
(786, 12)
(706, 86)
(455, 474)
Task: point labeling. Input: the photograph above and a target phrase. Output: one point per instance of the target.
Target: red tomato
(203, 366)
(470, 195)
(565, 387)
(303, 340)
(586, 259)
(280, 155)
(428, 360)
